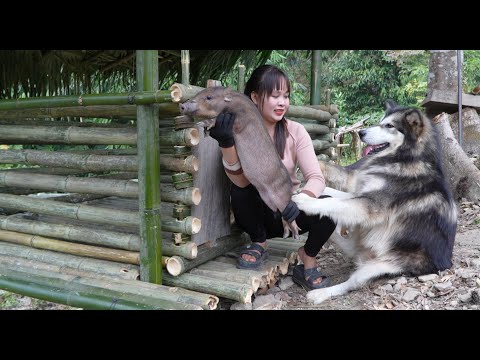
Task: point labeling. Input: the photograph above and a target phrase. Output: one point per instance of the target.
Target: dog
(396, 203)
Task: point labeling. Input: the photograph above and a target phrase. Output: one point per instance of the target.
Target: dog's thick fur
(399, 211)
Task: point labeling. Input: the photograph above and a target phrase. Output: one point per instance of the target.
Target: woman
(269, 88)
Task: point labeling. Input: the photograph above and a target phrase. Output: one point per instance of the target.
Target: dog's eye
(389, 126)
(209, 97)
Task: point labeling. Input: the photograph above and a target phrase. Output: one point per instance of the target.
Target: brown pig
(257, 153)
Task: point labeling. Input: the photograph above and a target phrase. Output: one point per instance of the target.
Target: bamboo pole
(315, 83)
(308, 113)
(149, 171)
(322, 144)
(187, 196)
(97, 252)
(132, 287)
(207, 252)
(241, 78)
(253, 281)
(68, 160)
(185, 61)
(182, 93)
(229, 269)
(112, 239)
(317, 129)
(137, 98)
(64, 123)
(77, 263)
(18, 134)
(86, 292)
(190, 225)
(218, 287)
(182, 137)
(97, 111)
(188, 164)
(72, 211)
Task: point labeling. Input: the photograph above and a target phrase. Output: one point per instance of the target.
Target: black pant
(254, 217)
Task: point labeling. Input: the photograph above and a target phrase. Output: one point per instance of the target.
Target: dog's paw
(307, 204)
(301, 198)
(318, 296)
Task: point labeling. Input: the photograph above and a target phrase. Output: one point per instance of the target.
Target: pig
(260, 161)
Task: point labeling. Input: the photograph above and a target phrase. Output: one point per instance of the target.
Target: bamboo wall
(72, 218)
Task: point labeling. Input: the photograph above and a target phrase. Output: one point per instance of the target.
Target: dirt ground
(457, 288)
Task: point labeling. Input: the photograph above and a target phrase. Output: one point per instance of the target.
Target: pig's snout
(188, 107)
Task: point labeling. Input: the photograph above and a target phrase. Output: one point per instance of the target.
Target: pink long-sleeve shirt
(298, 152)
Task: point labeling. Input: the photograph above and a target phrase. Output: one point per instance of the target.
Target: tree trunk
(471, 130)
(462, 175)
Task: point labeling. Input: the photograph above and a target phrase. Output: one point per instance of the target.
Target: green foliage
(471, 69)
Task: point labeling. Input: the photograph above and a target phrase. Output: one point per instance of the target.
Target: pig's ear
(227, 95)
(227, 98)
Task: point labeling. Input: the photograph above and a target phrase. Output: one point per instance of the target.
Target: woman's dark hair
(263, 81)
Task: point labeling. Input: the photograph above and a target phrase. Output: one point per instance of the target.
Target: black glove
(290, 212)
(223, 130)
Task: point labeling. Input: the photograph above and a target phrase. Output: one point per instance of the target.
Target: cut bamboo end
(196, 225)
(176, 93)
(192, 137)
(193, 249)
(174, 266)
(192, 163)
(196, 196)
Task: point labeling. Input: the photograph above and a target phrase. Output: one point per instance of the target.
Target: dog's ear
(414, 120)
(389, 105)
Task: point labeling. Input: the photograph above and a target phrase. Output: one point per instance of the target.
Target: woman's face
(275, 106)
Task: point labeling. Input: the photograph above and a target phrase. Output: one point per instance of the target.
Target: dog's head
(399, 126)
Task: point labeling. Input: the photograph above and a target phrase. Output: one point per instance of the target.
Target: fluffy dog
(399, 211)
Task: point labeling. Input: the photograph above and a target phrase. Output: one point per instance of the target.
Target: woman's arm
(233, 167)
(308, 164)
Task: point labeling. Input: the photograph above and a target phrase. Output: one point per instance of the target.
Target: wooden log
(462, 175)
(316, 129)
(95, 111)
(218, 287)
(240, 278)
(97, 252)
(78, 263)
(73, 211)
(332, 109)
(471, 130)
(92, 285)
(17, 134)
(181, 93)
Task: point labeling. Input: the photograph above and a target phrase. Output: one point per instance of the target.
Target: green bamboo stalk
(172, 163)
(137, 98)
(148, 290)
(317, 129)
(149, 171)
(96, 252)
(241, 78)
(187, 196)
(123, 188)
(253, 281)
(68, 160)
(97, 111)
(72, 211)
(185, 61)
(227, 289)
(190, 225)
(308, 113)
(322, 144)
(77, 263)
(207, 252)
(88, 287)
(183, 137)
(112, 239)
(316, 66)
(17, 134)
